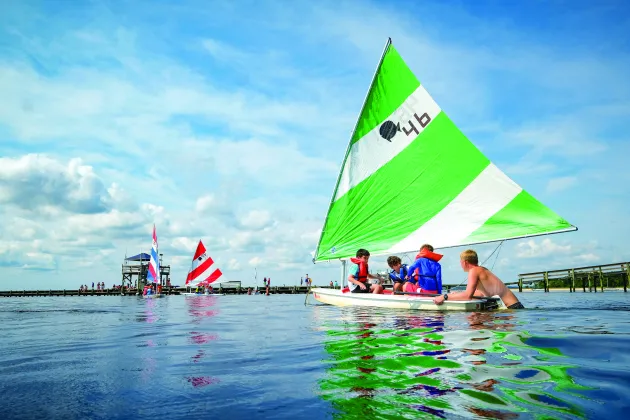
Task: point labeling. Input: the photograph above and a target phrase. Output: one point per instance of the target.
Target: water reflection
(410, 365)
(198, 309)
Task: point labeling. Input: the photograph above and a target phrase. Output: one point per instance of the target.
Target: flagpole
(356, 125)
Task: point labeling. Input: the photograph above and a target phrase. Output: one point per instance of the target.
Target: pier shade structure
(137, 267)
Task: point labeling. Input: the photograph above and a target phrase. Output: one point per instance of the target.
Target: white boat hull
(422, 303)
(156, 296)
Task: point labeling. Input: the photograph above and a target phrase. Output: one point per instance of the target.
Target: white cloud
(587, 258)
(546, 247)
(256, 220)
(561, 183)
(33, 181)
(256, 262)
(234, 264)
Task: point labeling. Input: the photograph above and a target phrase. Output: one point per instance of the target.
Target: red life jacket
(425, 253)
(363, 269)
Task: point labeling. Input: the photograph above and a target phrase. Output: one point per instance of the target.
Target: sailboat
(201, 271)
(153, 271)
(410, 176)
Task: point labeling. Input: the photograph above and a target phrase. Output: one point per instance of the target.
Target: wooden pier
(591, 277)
(125, 291)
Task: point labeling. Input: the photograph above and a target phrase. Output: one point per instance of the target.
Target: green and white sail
(410, 176)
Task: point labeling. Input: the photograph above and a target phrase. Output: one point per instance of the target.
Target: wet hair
(363, 253)
(469, 256)
(393, 260)
(427, 247)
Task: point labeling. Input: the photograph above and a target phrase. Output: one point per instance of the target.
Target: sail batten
(410, 176)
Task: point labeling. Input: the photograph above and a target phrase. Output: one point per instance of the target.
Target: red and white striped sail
(202, 269)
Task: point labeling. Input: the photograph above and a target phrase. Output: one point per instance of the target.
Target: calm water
(273, 357)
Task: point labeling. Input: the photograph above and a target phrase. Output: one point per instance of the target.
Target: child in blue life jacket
(358, 279)
(426, 271)
(399, 272)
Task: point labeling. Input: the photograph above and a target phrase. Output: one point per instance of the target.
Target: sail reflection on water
(199, 308)
(398, 364)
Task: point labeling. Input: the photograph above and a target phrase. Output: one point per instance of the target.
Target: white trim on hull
(337, 298)
(153, 296)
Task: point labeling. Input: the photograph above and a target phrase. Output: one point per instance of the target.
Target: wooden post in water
(520, 285)
(583, 285)
(546, 282)
(627, 280)
(591, 283)
(601, 279)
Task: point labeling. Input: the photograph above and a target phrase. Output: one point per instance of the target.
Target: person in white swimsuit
(481, 282)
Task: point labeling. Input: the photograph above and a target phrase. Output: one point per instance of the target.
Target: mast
(343, 163)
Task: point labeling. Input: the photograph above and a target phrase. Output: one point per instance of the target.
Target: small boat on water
(406, 301)
(153, 272)
(202, 273)
(411, 177)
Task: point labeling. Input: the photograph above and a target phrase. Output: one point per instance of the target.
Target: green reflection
(401, 365)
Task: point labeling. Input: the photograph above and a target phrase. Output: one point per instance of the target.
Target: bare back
(490, 285)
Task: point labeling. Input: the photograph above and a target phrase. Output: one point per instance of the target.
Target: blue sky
(228, 121)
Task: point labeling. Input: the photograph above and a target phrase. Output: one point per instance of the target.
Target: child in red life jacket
(426, 272)
(358, 279)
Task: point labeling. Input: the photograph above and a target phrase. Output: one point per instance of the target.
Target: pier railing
(592, 277)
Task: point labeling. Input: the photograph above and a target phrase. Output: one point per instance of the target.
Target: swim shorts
(517, 305)
(359, 290)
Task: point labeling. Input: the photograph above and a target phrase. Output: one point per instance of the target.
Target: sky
(228, 122)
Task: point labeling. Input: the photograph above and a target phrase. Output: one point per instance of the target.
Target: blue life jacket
(429, 274)
(394, 276)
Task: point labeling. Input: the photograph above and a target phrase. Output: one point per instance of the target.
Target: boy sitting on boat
(425, 274)
(358, 281)
(399, 272)
(481, 281)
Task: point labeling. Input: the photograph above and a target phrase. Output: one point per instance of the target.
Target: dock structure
(138, 266)
(124, 291)
(590, 277)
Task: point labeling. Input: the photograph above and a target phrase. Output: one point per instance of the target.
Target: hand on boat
(438, 300)
(362, 286)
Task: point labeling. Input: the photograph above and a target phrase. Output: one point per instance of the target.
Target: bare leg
(377, 288)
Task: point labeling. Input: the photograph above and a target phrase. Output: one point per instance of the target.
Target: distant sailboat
(202, 272)
(153, 274)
